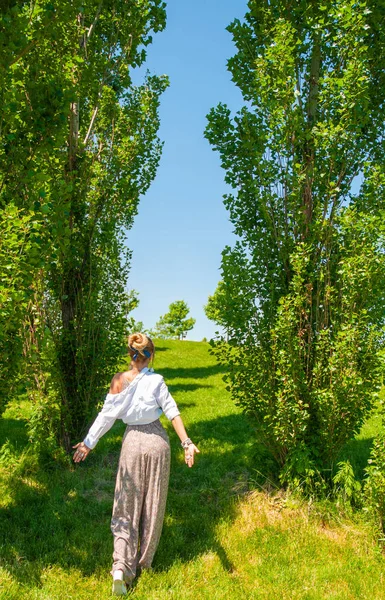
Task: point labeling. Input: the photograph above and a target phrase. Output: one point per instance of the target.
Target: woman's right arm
(103, 422)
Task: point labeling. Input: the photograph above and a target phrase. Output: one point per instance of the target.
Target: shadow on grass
(187, 387)
(183, 405)
(63, 517)
(191, 373)
(201, 497)
(14, 431)
(357, 452)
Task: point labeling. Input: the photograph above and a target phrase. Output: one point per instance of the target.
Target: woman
(138, 397)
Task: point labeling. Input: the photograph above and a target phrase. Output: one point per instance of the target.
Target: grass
(222, 539)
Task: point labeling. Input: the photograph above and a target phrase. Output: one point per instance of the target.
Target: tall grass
(222, 539)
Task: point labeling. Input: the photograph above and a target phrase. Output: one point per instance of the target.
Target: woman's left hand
(81, 453)
(189, 454)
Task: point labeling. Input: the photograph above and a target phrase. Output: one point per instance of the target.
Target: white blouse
(142, 402)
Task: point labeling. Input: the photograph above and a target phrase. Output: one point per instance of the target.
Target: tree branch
(74, 133)
(29, 46)
(91, 125)
(312, 103)
(90, 30)
(24, 51)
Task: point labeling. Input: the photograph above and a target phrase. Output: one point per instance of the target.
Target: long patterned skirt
(140, 497)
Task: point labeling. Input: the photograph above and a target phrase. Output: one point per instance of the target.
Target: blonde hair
(138, 343)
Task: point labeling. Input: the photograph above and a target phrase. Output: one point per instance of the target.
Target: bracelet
(186, 443)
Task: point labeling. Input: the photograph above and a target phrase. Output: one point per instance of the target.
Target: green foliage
(302, 291)
(78, 147)
(19, 246)
(137, 326)
(175, 323)
(374, 485)
(215, 305)
(133, 326)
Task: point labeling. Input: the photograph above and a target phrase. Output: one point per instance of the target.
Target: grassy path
(220, 540)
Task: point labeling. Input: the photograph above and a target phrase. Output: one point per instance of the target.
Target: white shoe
(119, 588)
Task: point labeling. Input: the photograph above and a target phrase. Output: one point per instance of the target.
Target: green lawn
(221, 538)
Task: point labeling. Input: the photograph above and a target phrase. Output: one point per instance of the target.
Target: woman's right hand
(189, 454)
(81, 453)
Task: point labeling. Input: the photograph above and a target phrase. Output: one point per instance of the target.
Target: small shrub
(346, 487)
(374, 487)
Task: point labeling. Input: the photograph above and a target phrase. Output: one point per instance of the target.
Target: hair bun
(138, 341)
(142, 344)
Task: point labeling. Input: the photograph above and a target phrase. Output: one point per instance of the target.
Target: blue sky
(182, 225)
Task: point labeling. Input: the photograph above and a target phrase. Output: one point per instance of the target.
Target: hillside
(223, 537)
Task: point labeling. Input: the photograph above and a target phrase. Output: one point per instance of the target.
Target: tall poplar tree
(302, 297)
(79, 147)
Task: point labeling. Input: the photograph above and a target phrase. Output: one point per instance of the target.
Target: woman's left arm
(189, 448)
(170, 409)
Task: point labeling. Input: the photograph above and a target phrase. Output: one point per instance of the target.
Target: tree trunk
(70, 425)
(309, 153)
(67, 361)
